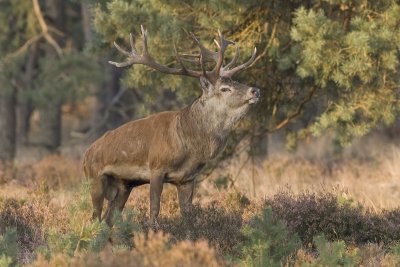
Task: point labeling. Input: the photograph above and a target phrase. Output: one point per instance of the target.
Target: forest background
(327, 123)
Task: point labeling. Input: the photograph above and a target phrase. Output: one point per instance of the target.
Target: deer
(171, 146)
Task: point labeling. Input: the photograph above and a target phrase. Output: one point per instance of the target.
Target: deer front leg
(156, 187)
(185, 196)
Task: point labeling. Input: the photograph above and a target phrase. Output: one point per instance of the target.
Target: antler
(205, 56)
(147, 59)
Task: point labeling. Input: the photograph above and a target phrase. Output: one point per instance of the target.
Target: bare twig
(45, 28)
(268, 45)
(45, 33)
(79, 241)
(24, 47)
(296, 113)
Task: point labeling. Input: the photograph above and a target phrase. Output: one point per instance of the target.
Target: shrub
(82, 234)
(124, 228)
(8, 248)
(329, 254)
(28, 220)
(58, 171)
(212, 223)
(310, 215)
(334, 254)
(267, 242)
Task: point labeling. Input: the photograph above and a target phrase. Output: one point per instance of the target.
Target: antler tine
(205, 56)
(178, 58)
(144, 36)
(223, 43)
(203, 69)
(229, 73)
(120, 49)
(132, 55)
(234, 59)
(146, 59)
(123, 51)
(132, 42)
(204, 52)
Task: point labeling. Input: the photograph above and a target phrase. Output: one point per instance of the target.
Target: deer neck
(205, 121)
(203, 124)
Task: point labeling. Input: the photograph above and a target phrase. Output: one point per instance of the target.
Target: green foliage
(65, 80)
(167, 23)
(333, 254)
(91, 236)
(355, 61)
(8, 248)
(395, 253)
(124, 227)
(347, 49)
(25, 63)
(81, 234)
(23, 26)
(5, 261)
(267, 243)
(221, 182)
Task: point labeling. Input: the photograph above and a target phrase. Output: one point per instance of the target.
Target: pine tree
(43, 66)
(333, 62)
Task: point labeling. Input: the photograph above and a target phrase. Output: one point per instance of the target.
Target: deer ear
(206, 85)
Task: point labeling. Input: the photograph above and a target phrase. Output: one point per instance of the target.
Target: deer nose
(255, 91)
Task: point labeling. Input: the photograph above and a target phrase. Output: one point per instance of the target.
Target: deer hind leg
(185, 196)
(119, 194)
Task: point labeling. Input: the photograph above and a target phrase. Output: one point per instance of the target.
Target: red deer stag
(172, 146)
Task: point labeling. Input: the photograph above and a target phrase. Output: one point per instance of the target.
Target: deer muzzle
(254, 95)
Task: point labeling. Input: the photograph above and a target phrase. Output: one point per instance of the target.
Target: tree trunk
(86, 23)
(7, 124)
(104, 117)
(24, 110)
(25, 105)
(50, 113)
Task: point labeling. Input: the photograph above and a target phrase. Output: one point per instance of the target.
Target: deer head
(216, 83)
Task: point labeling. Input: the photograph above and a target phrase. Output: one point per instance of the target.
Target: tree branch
(296, 113)
(45, 28)
(24, 47)
(268, 45)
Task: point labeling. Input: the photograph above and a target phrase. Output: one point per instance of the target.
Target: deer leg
(122, 197)
(97, 194)
(118, 202)
(156, 187)
(185, 196)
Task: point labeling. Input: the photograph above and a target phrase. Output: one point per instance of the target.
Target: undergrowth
(284, 230)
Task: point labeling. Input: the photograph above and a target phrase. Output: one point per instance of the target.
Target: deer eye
(225, 89)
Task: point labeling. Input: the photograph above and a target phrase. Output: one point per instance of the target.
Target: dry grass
(371, 178)
(38, 195)
(152, 250)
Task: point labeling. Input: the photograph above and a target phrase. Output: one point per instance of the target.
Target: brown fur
(168, 147)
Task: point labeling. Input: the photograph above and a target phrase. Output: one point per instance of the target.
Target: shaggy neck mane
(203, 125)
(204, 121)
